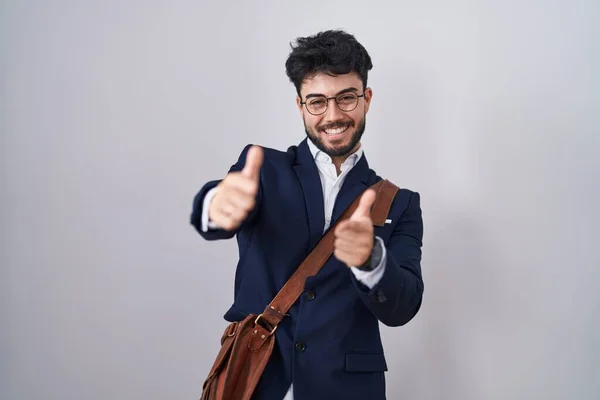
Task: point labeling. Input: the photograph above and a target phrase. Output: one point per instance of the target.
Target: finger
(364, 206)
(241, 200)
(225, 222)
(351, 258)
(354, 228)
(340, 228)
(348, 258)
(232, 217)
(228, 210)
(348, 235)
(241, 183)
(353, 246)
(254, 160)
(233, 212)
(346, 245)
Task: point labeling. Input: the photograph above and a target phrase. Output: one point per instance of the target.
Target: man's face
(334, 132)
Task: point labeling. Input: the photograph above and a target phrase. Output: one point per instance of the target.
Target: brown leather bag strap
(293, 288)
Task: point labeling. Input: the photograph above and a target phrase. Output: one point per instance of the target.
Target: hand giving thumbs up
(236, 194)
(354, 237)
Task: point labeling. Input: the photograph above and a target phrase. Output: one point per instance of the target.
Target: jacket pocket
(365, 362)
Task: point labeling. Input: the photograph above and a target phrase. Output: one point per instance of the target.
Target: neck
(339, 160)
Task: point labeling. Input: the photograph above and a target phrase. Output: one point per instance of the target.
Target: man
(279, 204)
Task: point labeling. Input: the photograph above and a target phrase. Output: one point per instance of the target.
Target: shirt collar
(321, 156)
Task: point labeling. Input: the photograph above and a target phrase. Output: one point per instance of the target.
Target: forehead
(329, 85)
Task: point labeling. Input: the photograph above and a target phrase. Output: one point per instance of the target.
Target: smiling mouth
(336, 131)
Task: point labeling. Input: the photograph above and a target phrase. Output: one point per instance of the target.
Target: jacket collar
(306, 169)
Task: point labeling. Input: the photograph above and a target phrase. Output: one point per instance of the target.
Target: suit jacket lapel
(354, 184)
(308, 174)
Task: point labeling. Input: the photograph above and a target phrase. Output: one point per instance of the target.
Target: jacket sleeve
(198, 202)
(397, 297)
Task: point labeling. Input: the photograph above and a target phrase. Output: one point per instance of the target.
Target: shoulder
(270, 155)
(405, 197)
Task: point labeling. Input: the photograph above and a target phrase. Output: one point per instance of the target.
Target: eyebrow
(350, 89)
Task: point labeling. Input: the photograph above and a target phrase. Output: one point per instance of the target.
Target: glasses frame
(358, 96)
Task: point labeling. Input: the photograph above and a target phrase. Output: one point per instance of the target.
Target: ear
(300, 106)
(368, 97)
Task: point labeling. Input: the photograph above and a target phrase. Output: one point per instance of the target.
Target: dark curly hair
(332, 52)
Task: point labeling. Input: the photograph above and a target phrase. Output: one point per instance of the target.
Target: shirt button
(310, 295)
(300, 347)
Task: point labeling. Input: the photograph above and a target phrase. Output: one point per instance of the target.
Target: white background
(114, 113)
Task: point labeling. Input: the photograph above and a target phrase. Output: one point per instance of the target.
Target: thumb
(254, 160)
(364, 206)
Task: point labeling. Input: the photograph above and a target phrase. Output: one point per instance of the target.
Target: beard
(341, 151)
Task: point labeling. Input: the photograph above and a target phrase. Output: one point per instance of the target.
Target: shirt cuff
(206, 224)
(372, 278)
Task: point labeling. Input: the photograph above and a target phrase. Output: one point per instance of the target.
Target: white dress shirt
(331, 184)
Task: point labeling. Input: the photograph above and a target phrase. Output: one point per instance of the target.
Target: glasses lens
(316, 105)
(347, 101)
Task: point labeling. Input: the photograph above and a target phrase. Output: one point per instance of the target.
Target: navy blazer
(329, 346)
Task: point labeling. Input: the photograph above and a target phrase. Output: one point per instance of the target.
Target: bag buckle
(262, 316)
(232, 328)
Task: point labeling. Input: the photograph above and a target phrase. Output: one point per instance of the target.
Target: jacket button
(310, 295)
(300, 347)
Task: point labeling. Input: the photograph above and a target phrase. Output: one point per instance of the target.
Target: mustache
(337, 124)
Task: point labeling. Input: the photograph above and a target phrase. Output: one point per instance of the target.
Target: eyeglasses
(345, 101)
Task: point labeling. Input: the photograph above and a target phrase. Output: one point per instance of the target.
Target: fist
(354, 237)
(236, 194)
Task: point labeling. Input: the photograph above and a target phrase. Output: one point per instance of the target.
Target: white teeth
(335, 131)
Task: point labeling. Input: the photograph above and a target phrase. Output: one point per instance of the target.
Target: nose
(333, 112)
